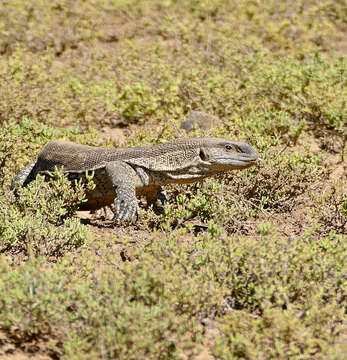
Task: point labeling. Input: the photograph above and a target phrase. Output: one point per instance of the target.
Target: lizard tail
(24, 177)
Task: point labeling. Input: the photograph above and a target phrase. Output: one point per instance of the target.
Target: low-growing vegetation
(250, 265)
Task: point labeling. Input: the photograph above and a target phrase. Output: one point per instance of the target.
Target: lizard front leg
(124, 178)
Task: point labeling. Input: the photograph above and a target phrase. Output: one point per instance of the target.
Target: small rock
(202, 120)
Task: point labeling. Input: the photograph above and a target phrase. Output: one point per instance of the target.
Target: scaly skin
(122, 174)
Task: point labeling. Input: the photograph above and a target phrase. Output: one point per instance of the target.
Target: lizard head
(222, 155)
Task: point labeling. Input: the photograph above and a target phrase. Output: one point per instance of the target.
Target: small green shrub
(332, 212)
(29, 221)
(284, 181)
(280, 334)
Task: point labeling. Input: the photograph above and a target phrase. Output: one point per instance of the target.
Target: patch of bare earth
(34, 350)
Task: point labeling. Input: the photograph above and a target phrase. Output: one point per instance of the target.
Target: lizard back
(79, 158)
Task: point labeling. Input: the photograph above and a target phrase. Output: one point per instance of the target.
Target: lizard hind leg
(156, 197)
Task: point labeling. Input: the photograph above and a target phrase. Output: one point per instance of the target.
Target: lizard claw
(126, 208)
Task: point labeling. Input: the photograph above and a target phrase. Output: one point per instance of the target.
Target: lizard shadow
(104, 223)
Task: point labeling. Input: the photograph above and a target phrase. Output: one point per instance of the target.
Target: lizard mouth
(240, 161)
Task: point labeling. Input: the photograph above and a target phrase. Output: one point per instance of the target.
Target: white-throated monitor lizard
(122, 174)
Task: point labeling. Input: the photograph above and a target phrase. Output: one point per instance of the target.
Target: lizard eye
(228, 147)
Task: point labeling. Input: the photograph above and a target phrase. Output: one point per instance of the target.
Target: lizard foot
(126, 208)
(158, 205)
